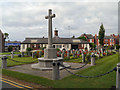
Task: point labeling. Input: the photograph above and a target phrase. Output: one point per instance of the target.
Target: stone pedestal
(50, 53)
(46, 64)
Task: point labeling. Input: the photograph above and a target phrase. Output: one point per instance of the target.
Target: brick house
(108, 40)
(89, 37)
(61, 43)
(2, 42)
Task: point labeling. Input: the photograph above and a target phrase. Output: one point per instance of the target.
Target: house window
(35, 45)
(67, 45)
(32, 46)
(23, 46)
(58, 46)
(112, 40)
(90, 40)
(106, 40)
(28, 45)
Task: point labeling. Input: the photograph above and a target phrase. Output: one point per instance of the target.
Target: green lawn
(6, 53)
(21, 59)
(102, 65)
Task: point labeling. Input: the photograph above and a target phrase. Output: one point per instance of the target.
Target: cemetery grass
(6, 53)
(102, 65)
(22, 60)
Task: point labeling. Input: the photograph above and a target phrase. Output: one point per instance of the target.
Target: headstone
(73, 54)
(83, 57)
(29, 53)
(71, 51)
(106, 52)
(22, 54)
(62, 55)
(12, 54)
(40, 54)
(68, 54)
(33, 54)
(59, 53)
(92, 59)
(78, 54)
(63, 51)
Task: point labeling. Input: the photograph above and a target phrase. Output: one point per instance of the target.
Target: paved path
(47, 74)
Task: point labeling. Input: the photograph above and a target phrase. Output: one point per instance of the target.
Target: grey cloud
(28, 19)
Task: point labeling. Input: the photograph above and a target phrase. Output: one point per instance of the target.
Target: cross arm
(46, 17)
(52, 15)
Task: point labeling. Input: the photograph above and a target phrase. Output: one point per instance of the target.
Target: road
(9, 84)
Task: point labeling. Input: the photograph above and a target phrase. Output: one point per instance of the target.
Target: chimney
(95, 36)
(113, 35)
(55, 33)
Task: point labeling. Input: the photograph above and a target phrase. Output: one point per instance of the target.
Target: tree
(101, 35)
(83, 38)
(92, 45)
(6, 35)
(73, 36)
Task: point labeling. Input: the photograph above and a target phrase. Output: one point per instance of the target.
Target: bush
(10, 48)
(42, 48)
(117, 46)
(29, 49)
(58, 49)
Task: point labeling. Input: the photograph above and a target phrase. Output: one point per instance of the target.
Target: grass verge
(102, 65)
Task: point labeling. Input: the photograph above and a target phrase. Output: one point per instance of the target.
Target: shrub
(10, 48)
(58, 49)
(29, 49)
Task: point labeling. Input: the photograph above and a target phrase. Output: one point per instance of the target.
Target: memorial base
(46, 64)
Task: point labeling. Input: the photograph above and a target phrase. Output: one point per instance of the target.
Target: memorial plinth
(50, 53)
(46, 64)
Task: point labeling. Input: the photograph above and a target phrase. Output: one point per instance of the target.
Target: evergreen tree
(101, 35)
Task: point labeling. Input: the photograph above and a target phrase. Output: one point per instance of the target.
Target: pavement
(47, 74)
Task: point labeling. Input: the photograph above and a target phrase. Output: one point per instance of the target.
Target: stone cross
(49, 17)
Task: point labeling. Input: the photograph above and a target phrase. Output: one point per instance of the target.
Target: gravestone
(33, 54)
(62, 55)
(12, 54)
(68, 54)
(59, 53)
(92, 59)
(73, 54)
(83, 57)
(29, 53)
(78, 54)
(40, 54)
(71, 51)
(22, 54)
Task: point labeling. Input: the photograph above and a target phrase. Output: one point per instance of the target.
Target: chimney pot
(56, 32)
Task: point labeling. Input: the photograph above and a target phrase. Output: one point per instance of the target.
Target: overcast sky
(23, 19)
